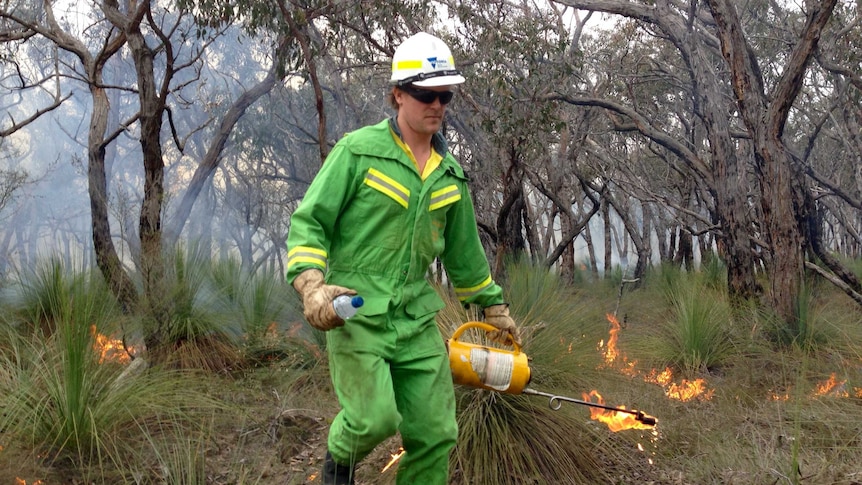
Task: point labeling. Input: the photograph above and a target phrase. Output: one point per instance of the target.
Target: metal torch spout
(554, 401)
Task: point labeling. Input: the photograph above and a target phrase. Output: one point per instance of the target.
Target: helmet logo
(438, 63)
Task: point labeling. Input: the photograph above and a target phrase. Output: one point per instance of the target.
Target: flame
(683, 391)
(21, 481)
(687, 390)
(831, 387)
(395, 458)
(109, 349)
(611, 351)
(616, 420)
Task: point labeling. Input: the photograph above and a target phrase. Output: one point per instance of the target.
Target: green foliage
(540, 445)
(110, 423)
(807, 330)
(696, 336)
(194, 328)
(51, 293)
(262, 306)
(60, 400)
(713, 272)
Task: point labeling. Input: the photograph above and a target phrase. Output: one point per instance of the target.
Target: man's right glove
(498, 316)
(317, 299)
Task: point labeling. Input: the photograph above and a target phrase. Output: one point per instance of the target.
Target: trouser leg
(368, 413)
(426, 399)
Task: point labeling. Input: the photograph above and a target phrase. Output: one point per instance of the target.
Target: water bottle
(346, 306)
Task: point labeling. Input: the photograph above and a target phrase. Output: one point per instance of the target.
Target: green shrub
(696, 336)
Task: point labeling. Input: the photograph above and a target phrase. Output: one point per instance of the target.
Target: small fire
(611, 352)
(616, 420)
(394, 460)
(21, 481)
(687, 390)
(109, 349)
(832, 387)
(683, 391)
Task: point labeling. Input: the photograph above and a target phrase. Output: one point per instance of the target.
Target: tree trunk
(606, 219)
(106, 254)
(782, 199)
(510, 233)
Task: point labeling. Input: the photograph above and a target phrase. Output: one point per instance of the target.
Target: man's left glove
(498, 316)
(317, 299)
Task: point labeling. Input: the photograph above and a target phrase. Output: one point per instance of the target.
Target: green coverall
(372, 224)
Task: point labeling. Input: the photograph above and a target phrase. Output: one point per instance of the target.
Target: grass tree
(60, 399)
(516, 439)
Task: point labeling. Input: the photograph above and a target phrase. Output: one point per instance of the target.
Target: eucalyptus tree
(516, 145)
(743, 110)
(165, 50)
(11, 178)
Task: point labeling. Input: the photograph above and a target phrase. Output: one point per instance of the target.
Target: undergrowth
(769, 407)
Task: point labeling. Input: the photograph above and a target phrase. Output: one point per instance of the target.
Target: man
(390, 199)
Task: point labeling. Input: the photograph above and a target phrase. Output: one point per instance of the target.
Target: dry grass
(763, 424)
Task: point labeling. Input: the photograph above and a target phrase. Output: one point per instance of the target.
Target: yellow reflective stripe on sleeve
(445, 196)
(464, 293)
(388, 186)
(305, 254)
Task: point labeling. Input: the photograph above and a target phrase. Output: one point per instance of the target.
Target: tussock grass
(61, 401)
(541, 445)
(781, 411)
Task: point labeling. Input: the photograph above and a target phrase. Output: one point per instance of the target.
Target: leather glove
(317, 299)
(498, 316)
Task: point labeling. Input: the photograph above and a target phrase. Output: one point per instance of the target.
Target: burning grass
(760, 413)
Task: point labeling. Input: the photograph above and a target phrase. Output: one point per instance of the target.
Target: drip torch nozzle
(645, 419)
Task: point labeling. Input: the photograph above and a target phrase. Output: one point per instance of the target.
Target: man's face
(422, 109)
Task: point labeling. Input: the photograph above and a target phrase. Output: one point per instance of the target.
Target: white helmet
(424, 60)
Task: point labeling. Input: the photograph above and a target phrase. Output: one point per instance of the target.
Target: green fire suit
(372, 224)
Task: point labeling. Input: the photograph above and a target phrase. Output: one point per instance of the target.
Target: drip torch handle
(486, 327)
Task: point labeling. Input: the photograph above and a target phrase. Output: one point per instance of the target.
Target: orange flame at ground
(616, 420)
(109, 349)
(684, 391)
(832, 387)
(394, 460)
(687, 390)
(21, 481)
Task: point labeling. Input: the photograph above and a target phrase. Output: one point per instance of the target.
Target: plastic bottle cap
(357, 301)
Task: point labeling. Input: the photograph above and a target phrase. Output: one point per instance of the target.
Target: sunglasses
(427, 96)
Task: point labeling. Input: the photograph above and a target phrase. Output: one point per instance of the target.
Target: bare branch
(17, 125)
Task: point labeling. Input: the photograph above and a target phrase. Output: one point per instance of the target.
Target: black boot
(335, 474)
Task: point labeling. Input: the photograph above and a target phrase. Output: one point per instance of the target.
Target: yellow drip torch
(506, 371)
